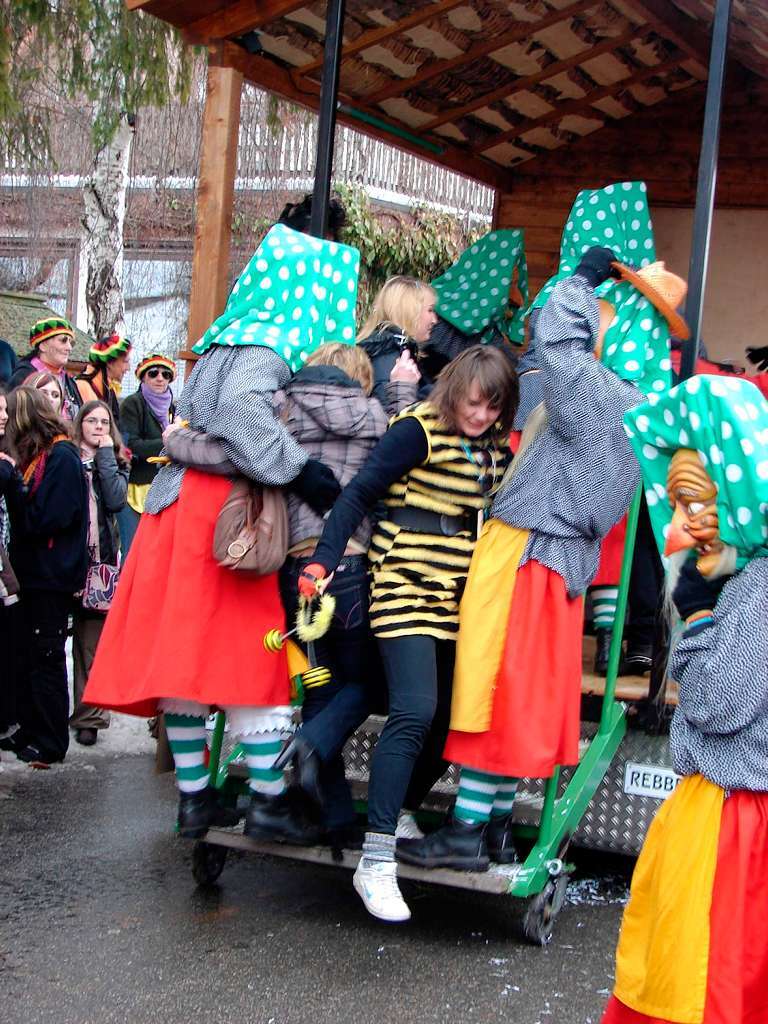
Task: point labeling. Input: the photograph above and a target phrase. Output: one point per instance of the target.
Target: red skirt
(737, 969)
(536, 717)
(611, 556)
(180, 625)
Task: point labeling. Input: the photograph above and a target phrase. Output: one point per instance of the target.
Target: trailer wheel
(539, 920)
(207, 862)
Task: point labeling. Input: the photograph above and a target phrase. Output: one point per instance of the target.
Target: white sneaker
(375, 882)
(407, 827)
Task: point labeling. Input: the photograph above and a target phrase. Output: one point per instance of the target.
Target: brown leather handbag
(251, 533)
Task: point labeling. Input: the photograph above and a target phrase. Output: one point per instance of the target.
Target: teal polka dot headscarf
(724, 419)
(636, 344)
(296, 294)
(473, 294)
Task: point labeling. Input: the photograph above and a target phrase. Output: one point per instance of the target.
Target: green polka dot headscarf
(724, 419)
(473, 294)
(636, 344)
(296, 293)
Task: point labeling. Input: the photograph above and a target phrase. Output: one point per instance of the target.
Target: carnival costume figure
(693, 947)
(184, 634)
(517, 686)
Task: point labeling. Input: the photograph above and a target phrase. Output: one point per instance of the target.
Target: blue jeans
(331, 713)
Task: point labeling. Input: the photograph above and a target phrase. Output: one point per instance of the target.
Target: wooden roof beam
(583, 106)
(376, 35)
(521, 84)
(524, 30)
(268, 75)
(235, 19)
(687, 33)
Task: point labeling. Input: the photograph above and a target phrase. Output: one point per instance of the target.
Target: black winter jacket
(143, 434)
(110, 484)
(445, 343)
(49, 528)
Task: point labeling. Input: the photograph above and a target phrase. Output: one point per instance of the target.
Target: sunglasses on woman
(165, 374)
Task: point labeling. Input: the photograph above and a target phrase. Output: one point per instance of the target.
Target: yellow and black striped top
(418, 578)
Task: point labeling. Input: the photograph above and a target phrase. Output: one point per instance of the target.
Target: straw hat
(663, 289)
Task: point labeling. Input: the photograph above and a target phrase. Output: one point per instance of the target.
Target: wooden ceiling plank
(523, 30)
(670, 22)
(584, 105)
(689, 35)
(268, 75)
(234, 19)
(376, 35)
(521, 84)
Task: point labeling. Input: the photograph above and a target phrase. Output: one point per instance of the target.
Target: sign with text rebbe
(654, 780)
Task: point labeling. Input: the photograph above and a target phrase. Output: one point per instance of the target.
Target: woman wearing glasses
(144, 416)
(435, 471)
(106, 470)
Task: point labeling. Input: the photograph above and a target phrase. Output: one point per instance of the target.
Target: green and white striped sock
(477, 792)
(504, 800)
(604, 601)
(186, 738)
(261, 750)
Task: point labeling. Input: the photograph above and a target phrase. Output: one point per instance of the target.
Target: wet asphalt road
(101, 921)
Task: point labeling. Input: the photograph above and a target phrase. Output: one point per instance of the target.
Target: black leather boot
(458, 844)
(501, 844)
(279, 819)
(199, 811)
(602, 650)
(638, 659)
(306, 767)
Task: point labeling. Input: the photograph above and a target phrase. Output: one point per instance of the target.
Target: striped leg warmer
(604, 601)
(504, 800)
(261, 750)
(186, 738)
(476, 796)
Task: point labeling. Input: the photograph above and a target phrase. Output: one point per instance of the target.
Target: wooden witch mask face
(693, 497)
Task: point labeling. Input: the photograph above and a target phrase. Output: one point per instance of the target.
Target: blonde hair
(352, 360)
(398, 303)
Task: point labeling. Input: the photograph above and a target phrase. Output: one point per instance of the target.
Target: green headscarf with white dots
(473, 294)
(296, 294)
(636, 345)
(724, 419)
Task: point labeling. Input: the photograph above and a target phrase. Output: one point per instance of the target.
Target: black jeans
(41, 671)
(408, 759)
(645, 584)
(9, 630)
(331, 713)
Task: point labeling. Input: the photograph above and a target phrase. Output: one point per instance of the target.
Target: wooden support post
(215, 197)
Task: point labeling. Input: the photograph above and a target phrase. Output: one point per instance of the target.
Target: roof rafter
(524, 30)
(234, 19)
(521, 84)
(269, 75)
(580, 106)
(376, 35)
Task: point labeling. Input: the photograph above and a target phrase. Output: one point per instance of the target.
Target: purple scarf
(159, 405)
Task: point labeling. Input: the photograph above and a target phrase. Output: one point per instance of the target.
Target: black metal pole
(326, 127)
(705, 189)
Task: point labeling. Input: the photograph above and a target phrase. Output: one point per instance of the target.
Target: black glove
(759, 357)
(316, 486)
(694, 592)
(595, 266)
